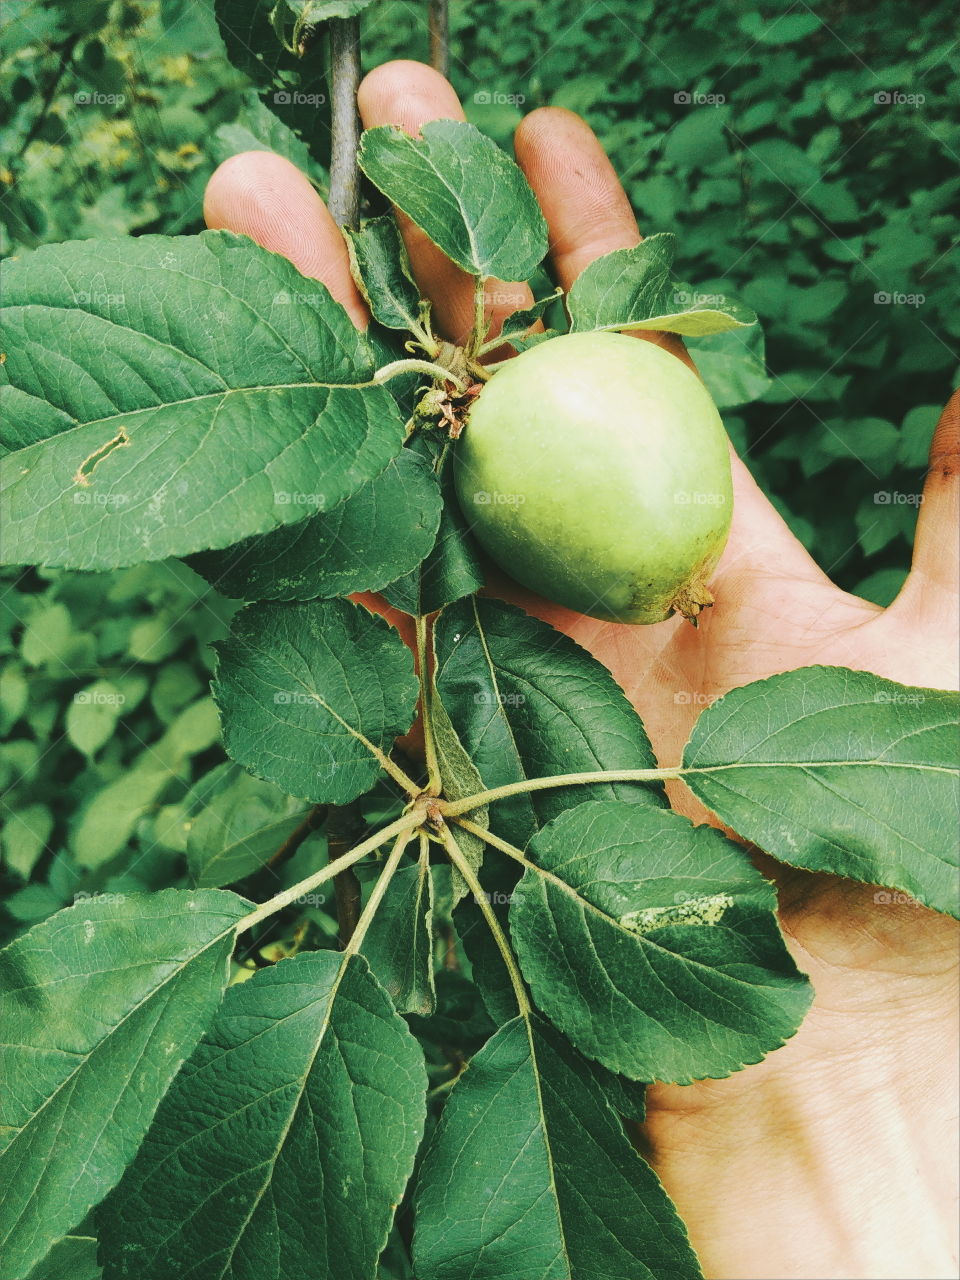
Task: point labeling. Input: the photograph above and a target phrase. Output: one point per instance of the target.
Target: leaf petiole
(397, 368)
(459, 860)
(453, 808)
(479, 331)
(405, 824)
(376, 894)
(434, 782)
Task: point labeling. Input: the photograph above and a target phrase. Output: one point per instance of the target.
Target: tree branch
(344, 199)
(439, 22)
(65, 53)
(296, 837)
(344, 825)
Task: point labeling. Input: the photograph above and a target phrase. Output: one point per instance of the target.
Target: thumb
(933, 586)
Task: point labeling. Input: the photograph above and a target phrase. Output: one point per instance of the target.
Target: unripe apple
(594, 470)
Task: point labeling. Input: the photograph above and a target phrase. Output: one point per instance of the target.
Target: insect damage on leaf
(90, 464)
(709, 909)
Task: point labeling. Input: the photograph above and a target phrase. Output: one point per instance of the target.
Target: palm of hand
(882, 977)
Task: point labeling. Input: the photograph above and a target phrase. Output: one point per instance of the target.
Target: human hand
(799, 1166)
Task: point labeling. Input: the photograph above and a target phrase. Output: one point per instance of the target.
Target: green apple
(594, 470)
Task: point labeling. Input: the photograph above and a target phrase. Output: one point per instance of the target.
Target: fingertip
(247, 187)
(264, 196)
(934, 581)
(578, 189)
(944, 463)
(549, 124)
(408, 94)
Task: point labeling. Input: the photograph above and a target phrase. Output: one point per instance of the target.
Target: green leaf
(653, 944)
(236, 822)
(460, 779)
(285, 1142)
(399, 943)
(623, 285)
(781, 29)
(557, 1192)
(460, 1020)
(381, 270)
(528, 702)
(733, 365)
(14, 696)
(311, 696)
(249, 34)
(92, 716)
(452, 569)
(166, 396)
(101, 1004)
(382, 531)
(258, 129)
(916, 433)
(627, 1097)
(630, 289)
(839, 771)
(51, 640)
(25, 835)
(72, 1258)
(461, 190)
(517, 324)
(310, 13)
(106, 824)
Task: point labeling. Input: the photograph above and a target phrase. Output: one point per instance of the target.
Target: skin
(835, 1157)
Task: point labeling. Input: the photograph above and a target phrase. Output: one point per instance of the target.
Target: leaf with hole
(653, 944)
(136, 429)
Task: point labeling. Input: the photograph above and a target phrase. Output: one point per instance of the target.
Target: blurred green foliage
(806, 157)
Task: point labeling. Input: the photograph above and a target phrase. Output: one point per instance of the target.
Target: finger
(263, 196)
(582, 199)
(931, 590)
(409, 94)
